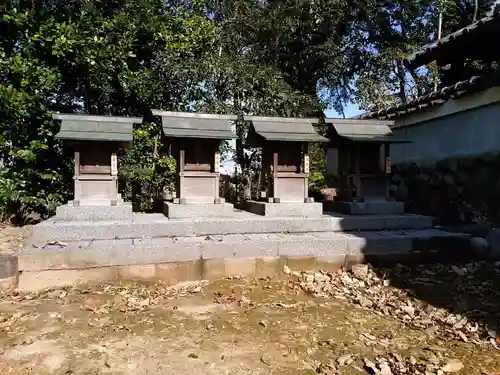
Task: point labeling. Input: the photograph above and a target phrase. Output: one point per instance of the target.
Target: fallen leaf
(453, 365)
(344, 360)
(265, 361)
(370, 366)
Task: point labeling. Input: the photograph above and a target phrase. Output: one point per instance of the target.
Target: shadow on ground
(450, 278)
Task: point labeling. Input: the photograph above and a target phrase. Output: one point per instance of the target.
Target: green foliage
(144, 173)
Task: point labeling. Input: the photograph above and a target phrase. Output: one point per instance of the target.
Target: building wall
(462, 134)
(451, 170)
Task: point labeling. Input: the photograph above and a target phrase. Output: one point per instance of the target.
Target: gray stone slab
(407, 221)
(285, 209)
(94, 213)
(309, 245)
(66, 231)
(197, 210)
(107, 253)
(80, 255)
(365, 208)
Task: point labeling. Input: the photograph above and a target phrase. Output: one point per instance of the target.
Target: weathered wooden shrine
(358, 156)
(96, 140)
(285, 160)
(194, 139)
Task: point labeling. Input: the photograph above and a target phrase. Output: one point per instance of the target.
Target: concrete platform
(157, 225)
(365, 208)
(67, 212)
(105, 253)
(197, 210)
(285, 209)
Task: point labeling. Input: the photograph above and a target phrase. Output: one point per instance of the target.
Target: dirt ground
(299, 323)
(236, 327)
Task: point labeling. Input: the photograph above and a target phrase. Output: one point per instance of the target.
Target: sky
(350, 111)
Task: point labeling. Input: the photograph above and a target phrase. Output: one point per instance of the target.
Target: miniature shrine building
(358, 157)
(285, 155)
(195, 139)
(96, 141)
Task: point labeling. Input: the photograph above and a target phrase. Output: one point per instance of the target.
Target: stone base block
(206, 257)
(157, 225)
(94, 212)
(197, 210)
(285, 209)
(365, 208)
(104, 253)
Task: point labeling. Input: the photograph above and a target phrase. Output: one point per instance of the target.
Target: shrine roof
(364, 130)
(286, 129)
(445, 48)
(196, 125)
(96, 128)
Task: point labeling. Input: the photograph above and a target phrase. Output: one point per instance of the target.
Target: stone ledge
(197, 210)
(285, 209)
(365, 208)
(150, 226)
(84, 255)
(177, 272)
(67, 212)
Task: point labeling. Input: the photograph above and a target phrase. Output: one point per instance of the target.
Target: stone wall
(454, 191)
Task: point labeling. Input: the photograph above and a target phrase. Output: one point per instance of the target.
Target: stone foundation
(285, 209)
(69, 212)
(158, 226)
(197, 210)
(364, 208)
(190, 259)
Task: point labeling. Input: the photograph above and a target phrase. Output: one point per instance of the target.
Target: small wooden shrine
(285, 155)
(195, 139)
(96, 140)
(358, 155)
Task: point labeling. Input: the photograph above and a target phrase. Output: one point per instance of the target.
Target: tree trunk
(439, 30)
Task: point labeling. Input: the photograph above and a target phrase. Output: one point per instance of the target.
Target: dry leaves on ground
(362, 286)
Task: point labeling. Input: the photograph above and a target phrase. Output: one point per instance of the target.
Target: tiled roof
(423, 56)
(473, 84)
(195, 125)
(284, 129)
(96, 128)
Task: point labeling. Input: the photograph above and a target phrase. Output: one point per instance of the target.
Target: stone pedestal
(285, 209)
(197, 210)
(87, 212)
(198, 187)
(365, 208)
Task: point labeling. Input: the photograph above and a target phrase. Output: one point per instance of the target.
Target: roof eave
(435, 50)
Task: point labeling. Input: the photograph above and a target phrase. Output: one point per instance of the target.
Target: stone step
(157, 226)
(325, 245)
